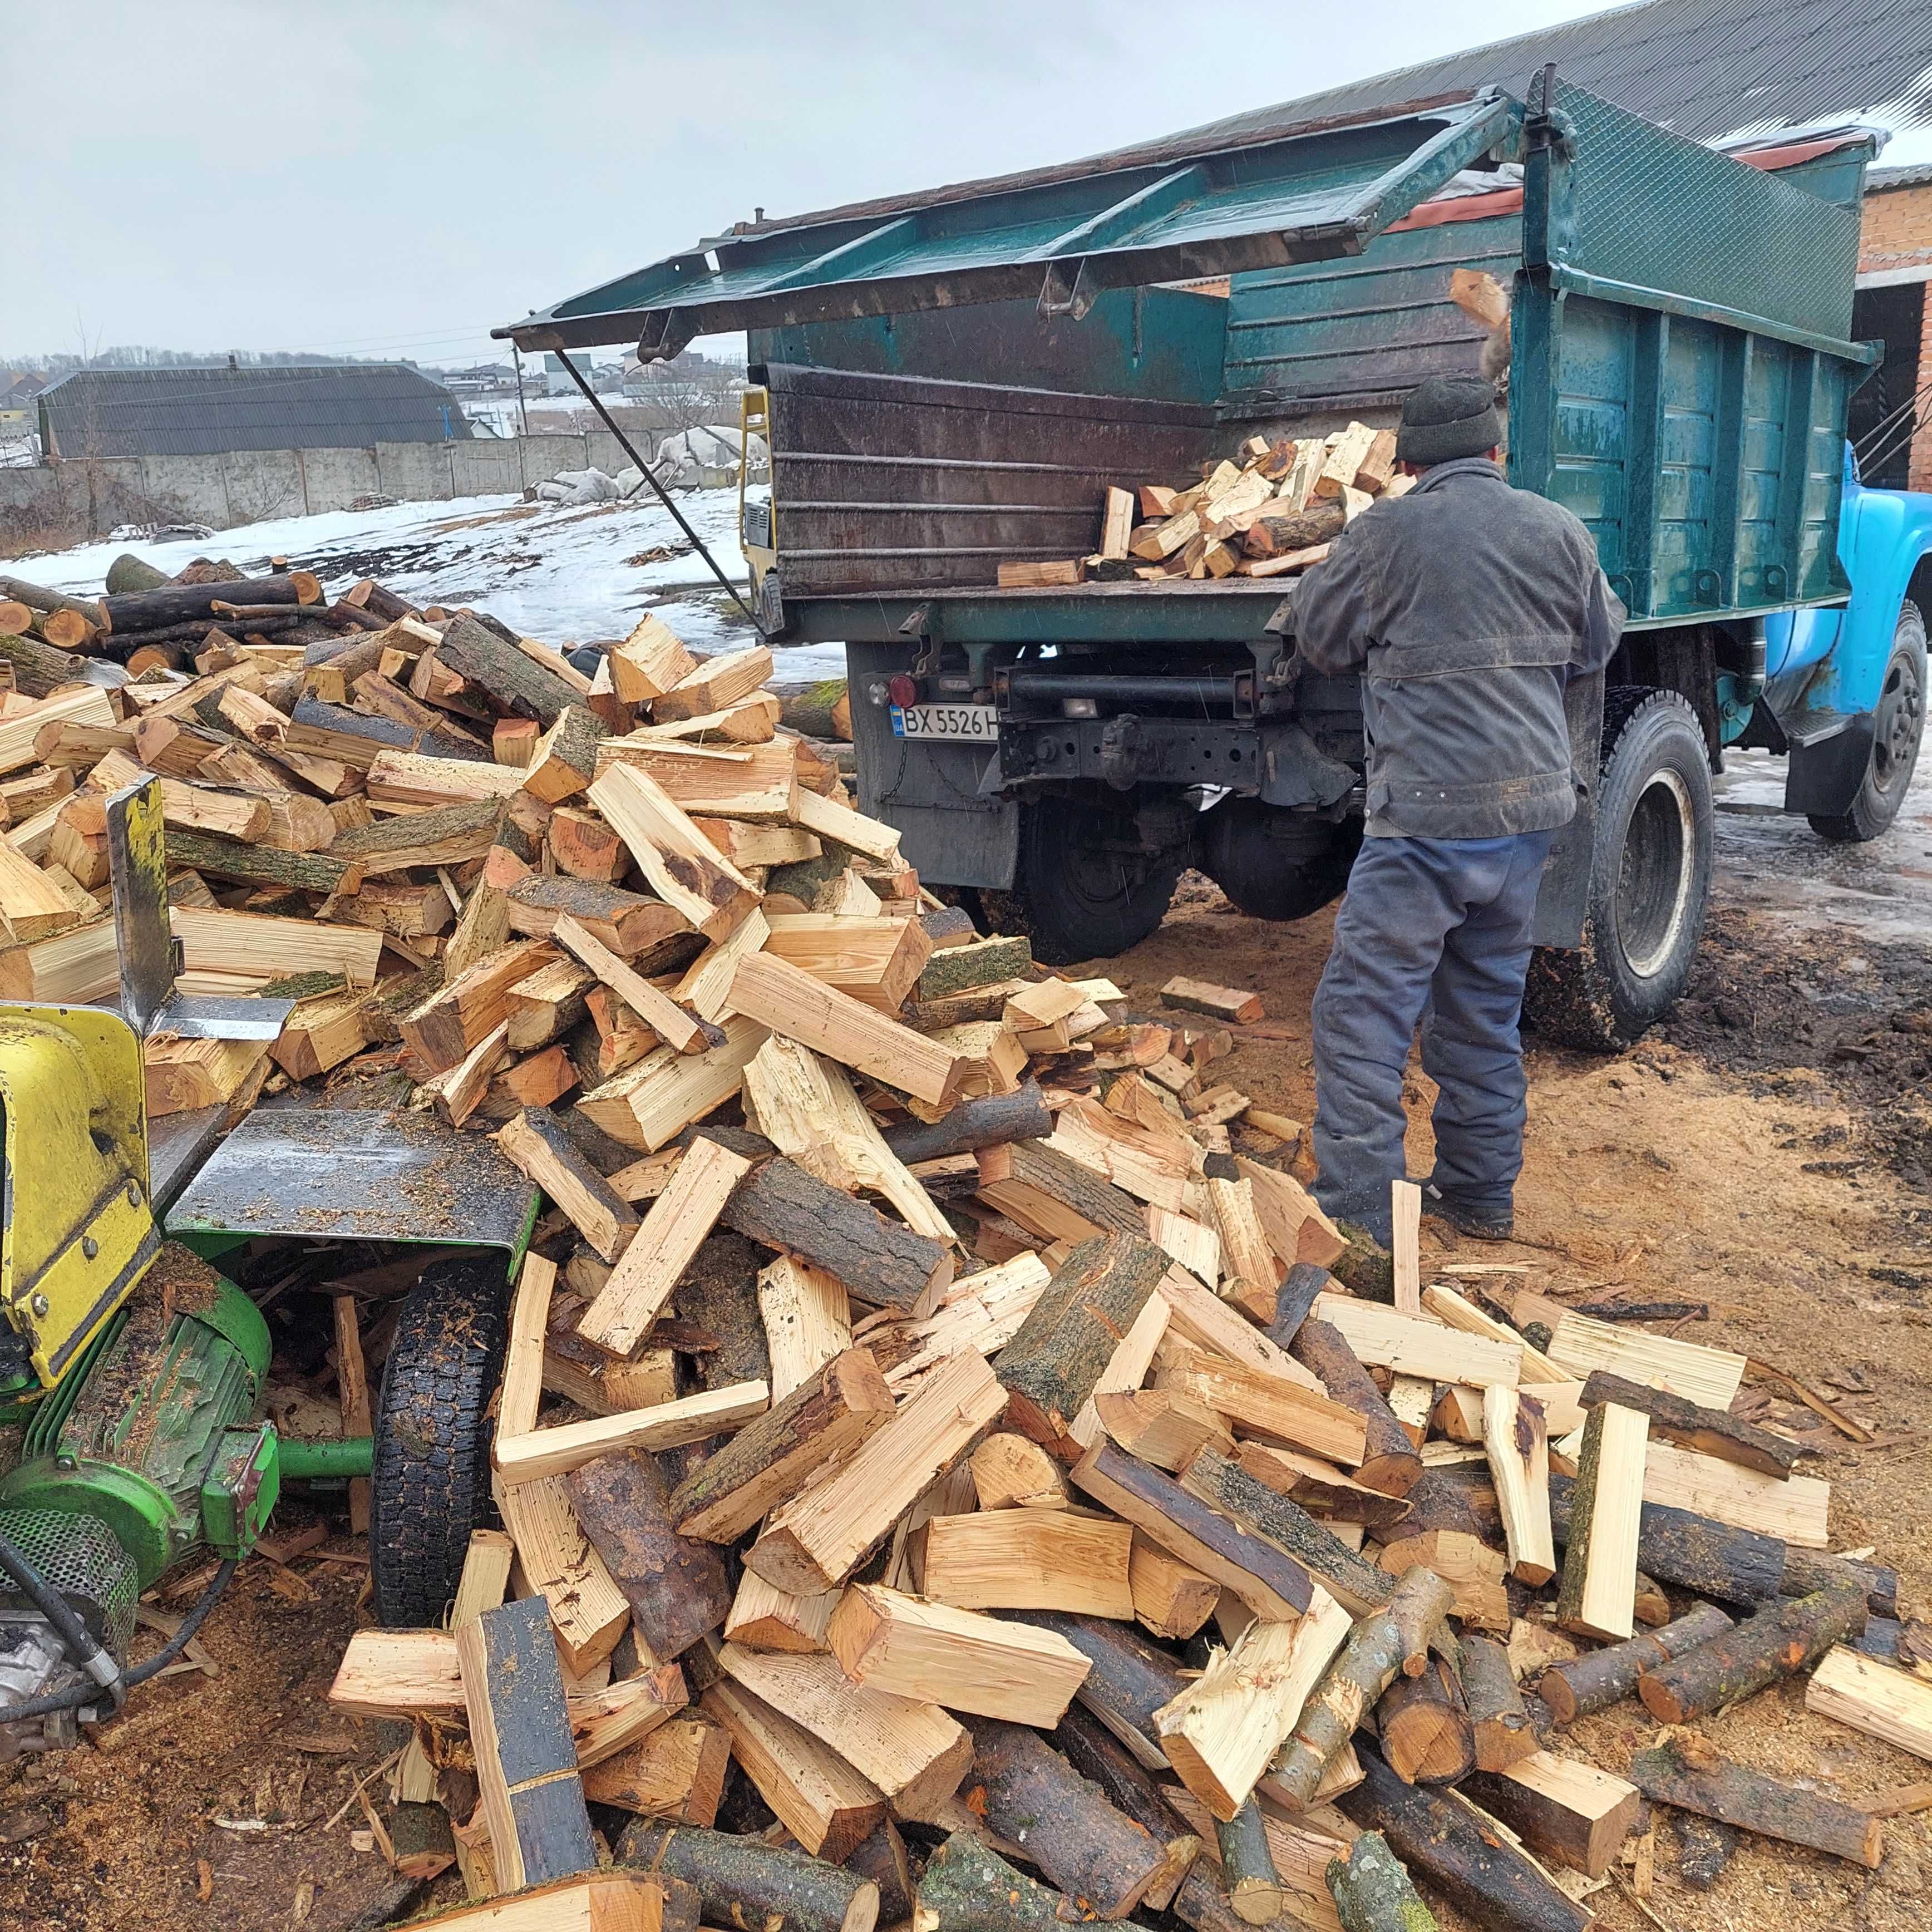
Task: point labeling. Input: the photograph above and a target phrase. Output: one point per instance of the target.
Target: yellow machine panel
(76, 1231)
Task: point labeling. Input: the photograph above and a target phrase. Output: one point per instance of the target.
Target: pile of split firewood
(926, 1391)
(1271, 514)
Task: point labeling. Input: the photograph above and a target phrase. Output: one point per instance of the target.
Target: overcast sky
(393, 177)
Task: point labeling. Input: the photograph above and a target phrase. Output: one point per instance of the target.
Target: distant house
(101, 412)
(17, 396)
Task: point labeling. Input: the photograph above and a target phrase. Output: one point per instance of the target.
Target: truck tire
(430, 1484)
(1900, 722)
(1650, 878)
(1268, 863)
(1076, 894)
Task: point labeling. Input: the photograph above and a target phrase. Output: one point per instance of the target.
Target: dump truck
(952, 380)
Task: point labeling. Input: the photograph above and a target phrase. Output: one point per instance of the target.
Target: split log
(1875, 1698)
(1604, 1678)
(967, 1887)
(1098, 1756)
(818, 1538)
(741, 1882)
(1424, 1727)
(773, 1457)
(628, 923)
(1051, 1368)
(1782, 1639)
(1598, 1594)
(1268, 1404)
(1221, 1732)
(1011, 1471)
(1358, 1584)
(825, 1804)
(1685, 1771)
(915, 1753)
(986, 962)
(1166, 1427)
(1129, 1681)
(1255, 1889)
(1371, 1892)
(1171, 1598)
(1712, 1432)
(677, 1587)
(536, 1145)
(933, 1653)
(989, 1121)
(451, 836)
(1054, 1196)
(516, 685)
(1572, 1814)
(1030, 1559)
(1390, 1462)
(1517, 1437)
(1030, 1795)
(1444, 1839)
(675, 1773)
(1503, 1732)
(526, 1757)
(1277, 536)
(1259, 1572)
(1394, 1641)
(881, 1262)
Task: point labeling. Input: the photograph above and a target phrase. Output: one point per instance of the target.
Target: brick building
(1892, 414)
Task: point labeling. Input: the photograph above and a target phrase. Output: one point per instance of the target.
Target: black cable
(76, 1695)
(663, 495)
(87, 1654)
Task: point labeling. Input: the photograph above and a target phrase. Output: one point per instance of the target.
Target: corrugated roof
(1879, 179)
(1703, 68)
(202, 411)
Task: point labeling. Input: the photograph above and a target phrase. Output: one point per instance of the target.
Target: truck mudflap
(1564, 899)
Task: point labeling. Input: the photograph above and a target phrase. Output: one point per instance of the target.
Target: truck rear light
(904, 690)
(1079, 707)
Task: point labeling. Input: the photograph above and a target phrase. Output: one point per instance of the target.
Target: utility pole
(523, 414)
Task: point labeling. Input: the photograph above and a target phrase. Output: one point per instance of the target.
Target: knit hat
(1445, 417)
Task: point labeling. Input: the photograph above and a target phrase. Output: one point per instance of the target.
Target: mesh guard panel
(81, 1558)
(1661, 212)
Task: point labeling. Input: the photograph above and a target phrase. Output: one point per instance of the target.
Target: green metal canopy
(1171, 211)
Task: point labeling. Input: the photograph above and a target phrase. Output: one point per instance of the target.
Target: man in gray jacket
(1466, 606)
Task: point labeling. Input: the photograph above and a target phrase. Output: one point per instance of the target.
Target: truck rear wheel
(430, 1486)
(1650, 877)
(1900, 724)
(1082, 888)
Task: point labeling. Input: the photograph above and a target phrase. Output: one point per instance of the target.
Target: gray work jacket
(1467, 607)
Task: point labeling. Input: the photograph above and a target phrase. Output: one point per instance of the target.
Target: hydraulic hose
(87, 1654)
(76, 1695)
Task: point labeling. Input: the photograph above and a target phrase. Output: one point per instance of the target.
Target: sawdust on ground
(1764, 1152)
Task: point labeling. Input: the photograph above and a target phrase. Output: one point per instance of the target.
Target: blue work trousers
(1434, 930)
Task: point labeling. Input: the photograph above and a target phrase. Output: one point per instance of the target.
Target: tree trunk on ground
(1686, 1772)
(177, 603)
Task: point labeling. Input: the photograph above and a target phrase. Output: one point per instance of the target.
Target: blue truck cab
(952, 380)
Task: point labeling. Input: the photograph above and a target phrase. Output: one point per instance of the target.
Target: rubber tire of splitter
(429, 1487)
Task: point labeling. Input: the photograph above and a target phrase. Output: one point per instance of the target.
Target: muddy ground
(1765, 1152)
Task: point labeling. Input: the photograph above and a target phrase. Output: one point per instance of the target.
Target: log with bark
(1587, 1685)
(1712, 1432)
(1130, 1680)
(1685, 1771)
(756, 1887)
(1390, 1462)
(1372, 1891)
(677, 1587)
(1393, 1642)
(517, 686)
(967, 1887)
(1099, 1859)
(1099, 1756)
(1443, 1839)
(1051, 1367)
(1247, 1866)
(1424, 1726)
(179, 603)
(988, 1121)
(1785, 1637)
(1503, 1732)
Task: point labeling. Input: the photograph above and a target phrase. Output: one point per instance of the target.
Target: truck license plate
(977, 721)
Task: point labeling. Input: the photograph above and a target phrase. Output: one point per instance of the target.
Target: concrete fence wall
(83, 498)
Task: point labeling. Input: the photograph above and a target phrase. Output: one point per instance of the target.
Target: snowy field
(563, 575)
